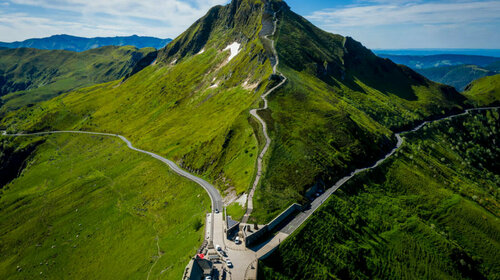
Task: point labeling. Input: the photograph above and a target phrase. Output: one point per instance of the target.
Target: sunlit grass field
(87, 207)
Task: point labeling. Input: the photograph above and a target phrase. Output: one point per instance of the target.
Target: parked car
(229, 263)
(218, 248)
(237, 240)
(208, 277)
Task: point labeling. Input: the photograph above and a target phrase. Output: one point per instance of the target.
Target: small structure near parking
(199, 268)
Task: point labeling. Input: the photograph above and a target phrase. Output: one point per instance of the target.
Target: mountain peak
(240, 21)
(237, 21)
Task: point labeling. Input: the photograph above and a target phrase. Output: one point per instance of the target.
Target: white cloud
(164, 18)
(408, 13)
(400, 23)
(149, 9)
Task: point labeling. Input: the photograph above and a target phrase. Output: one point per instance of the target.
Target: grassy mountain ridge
(28, 75)
(80, 44)
(200, 95)
(336, 112)
(193, 110)
(429, 212)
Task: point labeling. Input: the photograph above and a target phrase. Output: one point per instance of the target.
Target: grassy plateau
(337, 111)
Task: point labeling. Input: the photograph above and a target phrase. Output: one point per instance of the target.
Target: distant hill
(495, 66)
(452, 69)
(483, 52)
(429, 61)
(80, 44)
(484, 91)
(458, 76)
(30, 75)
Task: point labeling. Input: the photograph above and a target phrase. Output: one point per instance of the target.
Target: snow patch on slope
(242, 200)
(234, 48)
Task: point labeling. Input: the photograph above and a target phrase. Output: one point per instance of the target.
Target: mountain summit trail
(254, 113)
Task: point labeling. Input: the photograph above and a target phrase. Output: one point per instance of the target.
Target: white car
(208, 277)
(237, 240)
(229, 263)
(218, 248)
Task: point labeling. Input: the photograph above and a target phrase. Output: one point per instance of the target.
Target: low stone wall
(285, 214)
(254, 236)
(251, 238)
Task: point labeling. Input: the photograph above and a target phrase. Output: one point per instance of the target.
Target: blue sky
(376, 23)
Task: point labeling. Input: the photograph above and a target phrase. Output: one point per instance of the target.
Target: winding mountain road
(298, 220)
(214, 194)
(243, 259)
(254, 113)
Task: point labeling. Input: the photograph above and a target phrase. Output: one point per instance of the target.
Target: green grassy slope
(336, 112)
(458, 76)
(430, 212)
(484, 91)
(28, 76)
(192, 107)
(87, 207)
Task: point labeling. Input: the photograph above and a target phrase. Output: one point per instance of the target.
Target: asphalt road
(295, 223)
(214, 194)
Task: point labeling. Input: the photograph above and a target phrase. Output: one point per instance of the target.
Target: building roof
(204, 265)
(231, 223)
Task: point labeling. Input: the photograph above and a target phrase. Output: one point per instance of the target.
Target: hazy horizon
(378, 24)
